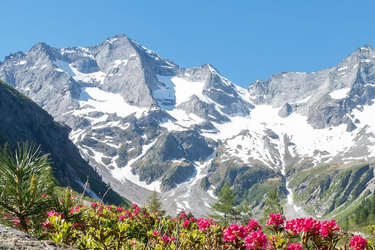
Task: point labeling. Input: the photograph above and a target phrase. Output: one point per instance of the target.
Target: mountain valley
(143, 123)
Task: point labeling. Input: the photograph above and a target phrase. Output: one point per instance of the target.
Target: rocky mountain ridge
(144, 123)
(23, 120)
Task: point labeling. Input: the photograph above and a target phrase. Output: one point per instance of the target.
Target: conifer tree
(272, 205)
(25, 180)
(154, 204)
(224, 207)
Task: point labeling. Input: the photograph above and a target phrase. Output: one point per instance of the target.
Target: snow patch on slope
(182, 201)
(183, 89)
(250, 145)
(126, 172)
(96, 77)
(64, 66)
(366, 116)
(295, 126)
(95, 99)
(183, 120)
(340, 93)
(165, 95)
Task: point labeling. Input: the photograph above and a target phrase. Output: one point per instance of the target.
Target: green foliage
(248, 183)
(365, 211)
(255, 194)
(272, 205)
(102, 227)
(225, 211)
(66, 203)
(335, 184)
(224, 207)
(26, 184)
(109, 227)
(154, 204)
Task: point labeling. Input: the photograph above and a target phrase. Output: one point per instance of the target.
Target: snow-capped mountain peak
(145, 123)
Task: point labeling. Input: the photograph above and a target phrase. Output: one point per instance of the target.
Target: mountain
(23, 120)
(145, 124)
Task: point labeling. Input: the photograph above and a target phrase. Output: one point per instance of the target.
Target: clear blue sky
(245, 40)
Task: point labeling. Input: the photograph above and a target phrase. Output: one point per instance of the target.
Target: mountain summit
(145, 124)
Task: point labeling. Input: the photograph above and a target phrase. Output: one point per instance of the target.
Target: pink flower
(44, 195)
(8, 216)
(121, 217)
(234, 232)
(135, 205)
(109, 207)
(298, 225)
(186, 223)
(358, 242)
(203, 223)
(275, 219)
(256, 240)
(192, 219)
(294, 246)
(57, 214)
(133, 242)
(47, 225)
(253, 225)
(156, 233)
(167, 239)
(94, 204)
(16, 222)
(119, 209)
(182, 215)
(327, 228)
(76, 209)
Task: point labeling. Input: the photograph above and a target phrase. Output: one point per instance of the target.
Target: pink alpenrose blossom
(358, 242)
(234, 232)
(275, 220)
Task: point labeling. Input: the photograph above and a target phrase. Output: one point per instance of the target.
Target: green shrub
(26, 186)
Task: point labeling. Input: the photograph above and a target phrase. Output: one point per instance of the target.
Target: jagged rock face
(145, 124)
(23, 120)
(330, 187)
(125, 71)
(325, 96)
(29, 73)
(204, 110)
(285, 110)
